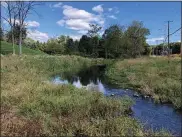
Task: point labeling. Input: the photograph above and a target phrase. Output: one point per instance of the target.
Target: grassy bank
(150, 76)
(6, 48)
(33, 106)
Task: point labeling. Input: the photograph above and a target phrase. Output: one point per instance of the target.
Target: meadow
(159, 77)
(6, 48)
(32, 105)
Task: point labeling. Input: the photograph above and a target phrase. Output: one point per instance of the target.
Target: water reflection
(91, 86)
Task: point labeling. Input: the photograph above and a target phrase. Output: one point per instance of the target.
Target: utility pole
(168, 33)
(168, 40)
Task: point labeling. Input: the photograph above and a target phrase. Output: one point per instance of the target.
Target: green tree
(1, 34)
(113, 41)
(136, 38)
(30, 43)
(94, 29)
(16, 32)
(147, 50)
(175, 46)
(94, 39)
(55, 46)
(70, 47)
(85, 46)
(94, 42)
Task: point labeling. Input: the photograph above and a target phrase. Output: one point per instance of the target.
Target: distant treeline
(175, 48)
(116, 42)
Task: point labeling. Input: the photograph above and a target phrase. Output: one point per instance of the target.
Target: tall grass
(150, 76)
(31, 106)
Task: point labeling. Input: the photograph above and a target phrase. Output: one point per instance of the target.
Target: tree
(1, 34)
(85, 45)
(147, 50)
(30, 43)
(113, 41)
(55, 46)
(94, 29)
(136, 38)
(76, 44)
(70, 46)
(94, 40)
(23, 9)
(175, 46)
(101, 50)
(11, 18)
(16, 32)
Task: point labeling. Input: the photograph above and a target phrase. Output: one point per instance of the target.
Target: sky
(73, 18)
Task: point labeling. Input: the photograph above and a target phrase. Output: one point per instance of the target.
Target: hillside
(6, 48)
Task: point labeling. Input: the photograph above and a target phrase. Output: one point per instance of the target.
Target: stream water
(151, 115)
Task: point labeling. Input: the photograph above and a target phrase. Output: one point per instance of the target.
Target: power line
(175, 31)
(172, 34)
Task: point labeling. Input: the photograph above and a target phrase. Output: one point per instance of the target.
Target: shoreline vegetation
(155, 77)
(32, 107)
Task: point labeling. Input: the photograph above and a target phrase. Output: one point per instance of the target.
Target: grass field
(31, 105)
(150, 76)
(6, 48)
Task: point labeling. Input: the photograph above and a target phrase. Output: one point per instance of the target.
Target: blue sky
(73, 18)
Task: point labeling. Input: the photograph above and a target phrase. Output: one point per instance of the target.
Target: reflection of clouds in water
(101, 86)
(58, 80)
(77, 83)
(91, 86)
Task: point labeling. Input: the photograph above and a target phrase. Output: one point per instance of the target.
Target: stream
(151, 115)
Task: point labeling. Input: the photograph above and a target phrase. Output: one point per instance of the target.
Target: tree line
(162, 49)
(117, 41)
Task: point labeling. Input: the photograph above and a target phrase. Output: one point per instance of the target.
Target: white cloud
(77, 24)
(67, 7)
(101, 22)
(114, 10)
(58, 5)
(109, 9)
(61, 22)
(74, 13)
(78, 19)
(112, 17)
(179, 40)
(98, 9)
(153, 41)
(12, 20)
(37, 35)
(33, 24)
(26, 23)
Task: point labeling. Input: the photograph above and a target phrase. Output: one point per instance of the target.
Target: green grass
(6, 48)
(150, 76)
(31, 105)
